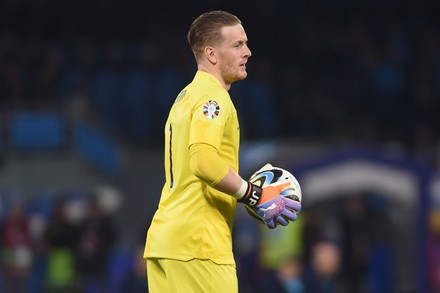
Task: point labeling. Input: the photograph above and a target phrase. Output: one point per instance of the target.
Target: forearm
(231, 183)
(207, 165)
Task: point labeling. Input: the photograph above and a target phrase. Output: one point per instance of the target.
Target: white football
(269, 174)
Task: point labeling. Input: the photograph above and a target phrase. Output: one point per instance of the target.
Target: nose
(248, 52)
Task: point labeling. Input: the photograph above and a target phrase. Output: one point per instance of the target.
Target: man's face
(233, 54)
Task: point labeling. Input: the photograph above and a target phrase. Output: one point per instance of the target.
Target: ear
(210, 54)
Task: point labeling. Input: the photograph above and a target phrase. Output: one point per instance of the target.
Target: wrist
(241, 192)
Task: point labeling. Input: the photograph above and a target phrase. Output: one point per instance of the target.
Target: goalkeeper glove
(270, 205)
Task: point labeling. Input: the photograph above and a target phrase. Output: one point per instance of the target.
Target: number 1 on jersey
(171, 157)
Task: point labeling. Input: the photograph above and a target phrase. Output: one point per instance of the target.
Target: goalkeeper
(189, 242)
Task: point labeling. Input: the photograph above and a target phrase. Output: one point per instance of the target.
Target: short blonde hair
(206, 30)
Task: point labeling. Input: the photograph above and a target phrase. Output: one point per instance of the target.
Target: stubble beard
(232, 76)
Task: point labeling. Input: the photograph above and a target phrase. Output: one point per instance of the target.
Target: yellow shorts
(193, 276)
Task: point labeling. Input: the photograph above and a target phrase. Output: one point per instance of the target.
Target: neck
(212, 70)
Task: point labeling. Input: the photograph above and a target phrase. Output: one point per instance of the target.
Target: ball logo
(211, 109)
(263, 179)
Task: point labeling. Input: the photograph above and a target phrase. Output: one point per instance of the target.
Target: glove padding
(270, 205)
(279, 209)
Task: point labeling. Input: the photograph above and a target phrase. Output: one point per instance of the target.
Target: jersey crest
(211, 109)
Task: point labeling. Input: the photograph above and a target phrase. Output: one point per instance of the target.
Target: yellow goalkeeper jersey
(193, 219)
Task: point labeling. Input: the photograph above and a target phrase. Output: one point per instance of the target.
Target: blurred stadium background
(345, 94)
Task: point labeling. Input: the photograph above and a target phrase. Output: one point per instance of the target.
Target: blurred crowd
(365, 71)
(65, 244)
(343, 245)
